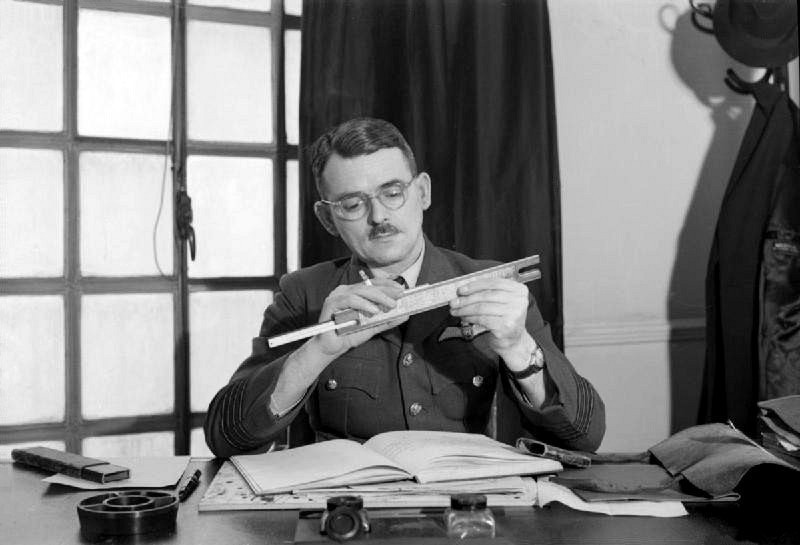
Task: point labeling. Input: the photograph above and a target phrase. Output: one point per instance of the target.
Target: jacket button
(415, 409)
(408, 359)
(331, 384)
(477, 381)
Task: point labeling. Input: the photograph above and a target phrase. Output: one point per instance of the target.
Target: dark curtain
(469, 83)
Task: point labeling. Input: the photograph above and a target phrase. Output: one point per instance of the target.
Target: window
(112, 339)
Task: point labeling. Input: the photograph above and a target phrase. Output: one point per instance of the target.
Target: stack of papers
(780, 419)
(230, 492)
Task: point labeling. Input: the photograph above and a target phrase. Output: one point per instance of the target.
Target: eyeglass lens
(392, 196)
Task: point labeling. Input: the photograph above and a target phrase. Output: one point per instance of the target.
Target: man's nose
(376, 211)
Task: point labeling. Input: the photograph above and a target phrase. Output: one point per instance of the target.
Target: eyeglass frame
(367, 198)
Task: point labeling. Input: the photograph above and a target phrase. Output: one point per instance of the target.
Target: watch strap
(535, 365)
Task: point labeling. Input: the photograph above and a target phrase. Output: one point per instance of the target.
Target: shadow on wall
(700, 63)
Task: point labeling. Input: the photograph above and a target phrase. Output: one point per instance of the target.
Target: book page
(437, 456)
(336, 461)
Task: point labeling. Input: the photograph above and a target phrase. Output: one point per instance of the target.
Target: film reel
(127, 513)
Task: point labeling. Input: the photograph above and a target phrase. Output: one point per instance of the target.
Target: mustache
(383, 229)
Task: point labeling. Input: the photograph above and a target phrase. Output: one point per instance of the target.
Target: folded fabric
(777, 427)
(786, 408)
(713, 457)
(617, 478)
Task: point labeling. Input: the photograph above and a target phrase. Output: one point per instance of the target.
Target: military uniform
(424, 375)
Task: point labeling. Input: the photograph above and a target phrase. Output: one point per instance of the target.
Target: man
(422, 374)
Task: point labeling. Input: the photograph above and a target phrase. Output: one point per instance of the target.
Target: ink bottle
(468, 517)
(345, 518)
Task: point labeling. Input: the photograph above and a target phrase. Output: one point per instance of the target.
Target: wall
(648, 134)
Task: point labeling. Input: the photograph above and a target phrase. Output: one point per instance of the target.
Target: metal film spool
(127, 513)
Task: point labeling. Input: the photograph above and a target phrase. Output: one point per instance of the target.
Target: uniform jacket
(423, 375)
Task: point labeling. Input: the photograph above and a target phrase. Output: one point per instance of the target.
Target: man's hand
(367, 299)
(498, 304)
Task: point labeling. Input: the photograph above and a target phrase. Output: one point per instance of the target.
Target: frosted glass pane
(127, 354)
(229, 89)
(120, 198)
(292, 75)
(31, 202)
(5, 450)
(139, 444)
(258, 5)
(232, 202)
(123, 75)
(293, 7)
(223, 324)
(198, 448)
(292, 216)
(31, 359)
(31, 66)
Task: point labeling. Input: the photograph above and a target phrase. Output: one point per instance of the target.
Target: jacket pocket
(348, 396)
(463, 380)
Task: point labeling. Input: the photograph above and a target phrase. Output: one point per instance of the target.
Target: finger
(385, 296)
(492, 323)
(500, 297)
(355, 301)
(501, 284)
(484, 308)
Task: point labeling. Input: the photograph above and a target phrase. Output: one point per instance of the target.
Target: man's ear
(323, 213)
(424, 184)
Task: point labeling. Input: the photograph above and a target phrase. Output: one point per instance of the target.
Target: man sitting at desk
(418, 375)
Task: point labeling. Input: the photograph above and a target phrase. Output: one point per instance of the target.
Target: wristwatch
(535, 365)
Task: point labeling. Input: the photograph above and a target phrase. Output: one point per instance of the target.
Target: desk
(35, 513)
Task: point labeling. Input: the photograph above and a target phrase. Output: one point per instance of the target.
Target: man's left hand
(498, 304)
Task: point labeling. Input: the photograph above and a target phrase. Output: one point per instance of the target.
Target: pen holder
(345, 518)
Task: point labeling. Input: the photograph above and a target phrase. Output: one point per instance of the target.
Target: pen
(190, 486)
(364, 277)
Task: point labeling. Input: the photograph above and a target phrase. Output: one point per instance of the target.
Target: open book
(427, 456)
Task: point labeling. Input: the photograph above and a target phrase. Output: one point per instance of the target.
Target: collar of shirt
(411, 274)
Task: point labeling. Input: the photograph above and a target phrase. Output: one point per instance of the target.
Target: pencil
(364, 277)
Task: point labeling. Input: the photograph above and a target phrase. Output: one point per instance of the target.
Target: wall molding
(639, 332)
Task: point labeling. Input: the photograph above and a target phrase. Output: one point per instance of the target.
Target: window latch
(184, 218)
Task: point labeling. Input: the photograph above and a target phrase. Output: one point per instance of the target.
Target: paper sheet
(550, 492)
(150, 472)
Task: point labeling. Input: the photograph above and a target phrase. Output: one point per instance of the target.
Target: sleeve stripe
(585, 401)
(585, 404)
(233, 410)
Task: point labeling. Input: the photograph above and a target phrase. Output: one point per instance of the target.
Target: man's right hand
(381, 296)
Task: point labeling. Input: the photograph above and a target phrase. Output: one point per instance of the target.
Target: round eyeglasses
(353, 206)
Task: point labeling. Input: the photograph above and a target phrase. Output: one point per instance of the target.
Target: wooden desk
(35, 513)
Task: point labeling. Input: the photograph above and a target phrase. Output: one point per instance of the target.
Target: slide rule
(413, 301)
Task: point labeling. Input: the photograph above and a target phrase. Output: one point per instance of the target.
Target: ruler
(413, 301)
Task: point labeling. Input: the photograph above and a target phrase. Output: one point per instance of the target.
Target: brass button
(331, 384)
(415, 409)
(408, 359)
(477, 381)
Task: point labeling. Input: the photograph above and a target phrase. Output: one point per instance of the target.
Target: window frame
(72, 285)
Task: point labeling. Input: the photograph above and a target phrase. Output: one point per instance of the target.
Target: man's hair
(360, 136)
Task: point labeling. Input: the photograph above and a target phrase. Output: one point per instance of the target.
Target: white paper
(550, 492)
(147, 472)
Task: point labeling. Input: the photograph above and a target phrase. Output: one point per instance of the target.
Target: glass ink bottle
(468, 517)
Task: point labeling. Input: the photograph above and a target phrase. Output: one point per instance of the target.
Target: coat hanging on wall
(753, 276)
(753, 304)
